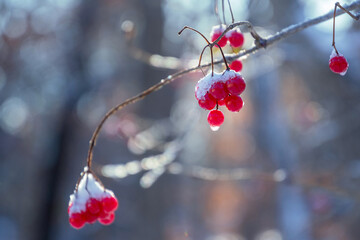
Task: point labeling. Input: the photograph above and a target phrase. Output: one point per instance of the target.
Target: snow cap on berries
(218, 29)
(91, 202)
(205, 83)
(87, 185)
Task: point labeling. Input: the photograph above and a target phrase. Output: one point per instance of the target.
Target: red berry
(108, 219)
(338, 64)
(215, 118)
(222, 42)
(221, 102)
(216, 32)
(93, 206)
(218, 90)
(236, 38)
(109, 204)
(77, 220)
(235, 85)
(234, 103)
(207, 102)
(236, 65)
(89, 217)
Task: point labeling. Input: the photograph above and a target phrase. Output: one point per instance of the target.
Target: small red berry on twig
(207, 102)
(338, 63)
(236, 66)
(236, 85)
(215, 119)
(216, 32)
(234, 103)
(218, 90)
(235, 37)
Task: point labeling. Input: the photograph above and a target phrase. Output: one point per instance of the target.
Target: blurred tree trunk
(62, 136)
(294, 217)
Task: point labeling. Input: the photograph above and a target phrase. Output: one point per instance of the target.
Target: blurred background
(287, 166)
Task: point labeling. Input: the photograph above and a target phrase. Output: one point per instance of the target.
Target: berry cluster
(338, 63)
(235, 39)
(220, 89)
(234, 36)
(91, 202)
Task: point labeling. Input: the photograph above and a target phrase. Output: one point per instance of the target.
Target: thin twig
(231, 12)
(224, 58)
(286, 32)
(350, 14)
(190, 28)
(223, 11)
(216, 9)
(200, 58)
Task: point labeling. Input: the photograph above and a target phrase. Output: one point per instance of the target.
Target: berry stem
(223, 55)
(216, 10)
(78, 182)
(223, 11)
(200, 58)
(355, 17)
(86, 183)
(212, 60)
(190, 28)
(231, 12)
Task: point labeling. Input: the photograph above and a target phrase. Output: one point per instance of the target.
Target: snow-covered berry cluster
(91, 202)
(338, 63)
(220, 89)
(234, 36)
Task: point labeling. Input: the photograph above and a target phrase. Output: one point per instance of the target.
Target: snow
(344, 72)
(218, 29)
(88, 188)
(333, 54)
(228, 34)
(206, 82)
(214, 128)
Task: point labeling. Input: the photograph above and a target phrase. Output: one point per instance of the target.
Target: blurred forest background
(287, 166)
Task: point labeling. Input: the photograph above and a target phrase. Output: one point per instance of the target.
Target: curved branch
(286, 32)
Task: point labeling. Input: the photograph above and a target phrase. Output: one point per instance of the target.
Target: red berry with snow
(236, 85)
(208, 102)
(77, 220)
(236, 38)
(216, 32)
(234, 103)
(91, 202)
(236, 65)
(108, 219)
(338, 64)
(89, 217)
(109, 204)
(215, 118)
(221, 102)
(218, 90)
(93, 206)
